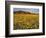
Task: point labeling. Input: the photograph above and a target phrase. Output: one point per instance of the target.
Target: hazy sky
(34, 10)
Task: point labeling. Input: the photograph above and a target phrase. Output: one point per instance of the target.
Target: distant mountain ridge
(23, 12)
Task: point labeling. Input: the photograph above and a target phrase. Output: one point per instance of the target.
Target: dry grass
(26, 21)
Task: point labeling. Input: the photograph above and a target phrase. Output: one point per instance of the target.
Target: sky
(33, 10)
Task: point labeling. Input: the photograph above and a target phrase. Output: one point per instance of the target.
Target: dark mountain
(23, 12)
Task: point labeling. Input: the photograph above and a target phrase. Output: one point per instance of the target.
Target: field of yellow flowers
(26, 21)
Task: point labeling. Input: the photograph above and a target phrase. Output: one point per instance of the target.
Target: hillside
(26, 20)
(23, 12)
